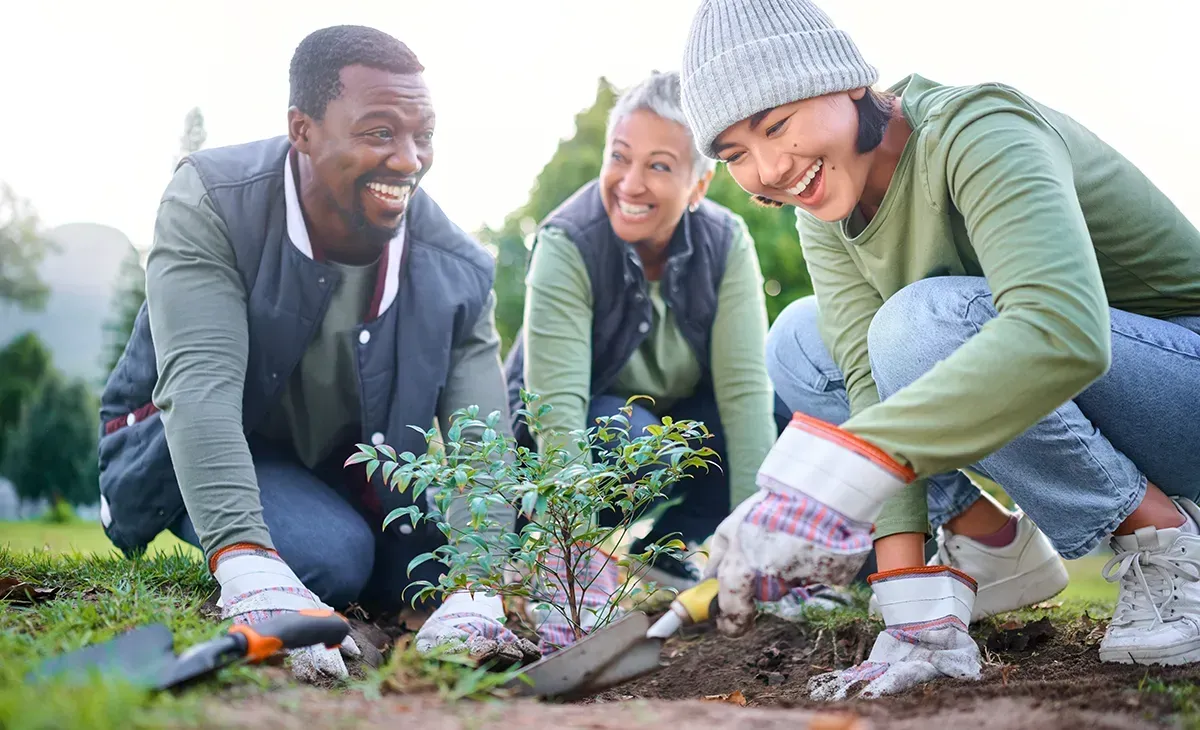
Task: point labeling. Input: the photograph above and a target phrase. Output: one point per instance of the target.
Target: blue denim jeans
(336, 548)
(1079, 472)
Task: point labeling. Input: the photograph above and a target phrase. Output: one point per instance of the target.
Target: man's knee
(922, 324)
(339, 567)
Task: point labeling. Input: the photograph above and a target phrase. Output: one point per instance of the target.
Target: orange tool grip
(292, 630)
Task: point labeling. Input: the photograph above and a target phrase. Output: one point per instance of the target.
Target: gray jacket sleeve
(197, 310)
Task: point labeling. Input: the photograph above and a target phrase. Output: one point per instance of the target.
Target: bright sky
(95, 93)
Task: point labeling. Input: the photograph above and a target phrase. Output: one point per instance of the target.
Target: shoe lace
(1148, 582)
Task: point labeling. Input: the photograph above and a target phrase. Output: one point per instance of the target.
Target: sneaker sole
(1187, 653)
(1040, 584)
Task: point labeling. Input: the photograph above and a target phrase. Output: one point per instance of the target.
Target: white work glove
(598, 580)
(256, 585)
(474, 625)
(926, 611)
(820, 490)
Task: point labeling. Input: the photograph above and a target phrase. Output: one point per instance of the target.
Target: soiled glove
(926, 611)
(474, 625)
(256, 585)
(598, 579)
(820, 490)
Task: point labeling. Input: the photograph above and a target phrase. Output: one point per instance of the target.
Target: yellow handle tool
(695, 605)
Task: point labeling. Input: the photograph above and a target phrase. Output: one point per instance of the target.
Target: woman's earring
(692, 208)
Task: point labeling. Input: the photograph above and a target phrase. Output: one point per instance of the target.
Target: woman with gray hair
(639, 286)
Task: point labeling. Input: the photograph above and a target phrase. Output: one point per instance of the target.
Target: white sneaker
(1157, 618)
(1025, 572)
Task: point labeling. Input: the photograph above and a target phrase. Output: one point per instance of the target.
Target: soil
(1044, 674)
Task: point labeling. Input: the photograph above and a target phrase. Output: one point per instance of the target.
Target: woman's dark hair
(874, 113)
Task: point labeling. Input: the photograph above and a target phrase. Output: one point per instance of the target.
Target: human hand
(820, 490)
(475, 625)
(597, 580)
(256, 584)
(926, 611)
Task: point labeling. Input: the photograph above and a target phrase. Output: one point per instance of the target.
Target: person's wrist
(834, 467)
(923, 594)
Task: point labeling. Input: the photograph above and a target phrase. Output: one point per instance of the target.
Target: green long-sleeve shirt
(994, 184)
(558, 351)
(197, 307)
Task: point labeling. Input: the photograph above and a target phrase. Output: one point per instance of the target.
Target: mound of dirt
(1046, 670)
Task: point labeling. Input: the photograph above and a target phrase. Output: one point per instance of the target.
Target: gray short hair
(660, 94)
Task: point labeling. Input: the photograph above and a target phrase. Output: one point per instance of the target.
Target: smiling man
(304, 295)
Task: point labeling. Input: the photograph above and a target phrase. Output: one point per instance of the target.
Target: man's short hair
(317, 64)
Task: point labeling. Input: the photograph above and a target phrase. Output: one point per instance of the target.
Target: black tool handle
(292, 630)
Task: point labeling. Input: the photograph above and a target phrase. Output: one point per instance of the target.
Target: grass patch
(82, 537)
(1183, 696)
(101, 594)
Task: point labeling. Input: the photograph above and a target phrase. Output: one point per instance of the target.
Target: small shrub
(560, 496)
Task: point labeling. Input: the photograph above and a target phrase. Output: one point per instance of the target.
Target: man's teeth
(628, 209)
(808, 177)
(392, 191)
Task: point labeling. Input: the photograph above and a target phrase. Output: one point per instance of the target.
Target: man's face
(370, 151)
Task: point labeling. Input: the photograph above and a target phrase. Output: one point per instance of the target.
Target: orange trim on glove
(216, 558)
(923, 570)
(848, 440)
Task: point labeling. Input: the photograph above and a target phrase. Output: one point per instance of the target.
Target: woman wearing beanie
(639, 286)
(1000, 291)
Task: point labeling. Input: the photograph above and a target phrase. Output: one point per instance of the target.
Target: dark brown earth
(1044, 675)
(1052, 670)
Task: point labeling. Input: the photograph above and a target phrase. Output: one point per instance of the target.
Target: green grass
(101, 594)
(98, 597)
(83, 537)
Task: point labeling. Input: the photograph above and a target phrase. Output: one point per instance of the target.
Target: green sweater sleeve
(558, 336)
(848, 303)
(745, 398)
(1010, 177)
(197, 308)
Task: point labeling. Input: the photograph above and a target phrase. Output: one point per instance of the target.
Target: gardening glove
(926, 611)
(475, 625)
(257, 585)
(597, 582)
(820, 490)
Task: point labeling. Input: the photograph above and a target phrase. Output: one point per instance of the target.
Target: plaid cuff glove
(820, 489)
(926, 611)
(598, 579)
(474, 625)
(256, 584)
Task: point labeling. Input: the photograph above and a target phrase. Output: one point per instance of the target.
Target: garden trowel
(624, 650)
(146, 657)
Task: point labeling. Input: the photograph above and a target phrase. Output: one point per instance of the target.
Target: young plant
(480, 479)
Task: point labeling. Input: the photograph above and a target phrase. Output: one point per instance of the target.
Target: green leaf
(358, 457)
(388, 451)
(388, 468)
(407, 457)
(422, 558)
(364, 448)
(371, 467)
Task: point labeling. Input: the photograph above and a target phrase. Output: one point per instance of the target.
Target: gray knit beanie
(745, 56)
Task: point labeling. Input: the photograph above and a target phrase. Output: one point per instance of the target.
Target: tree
(576, 161)
(52, 452)
(24, 364)
(131, 280)
(23, 246)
